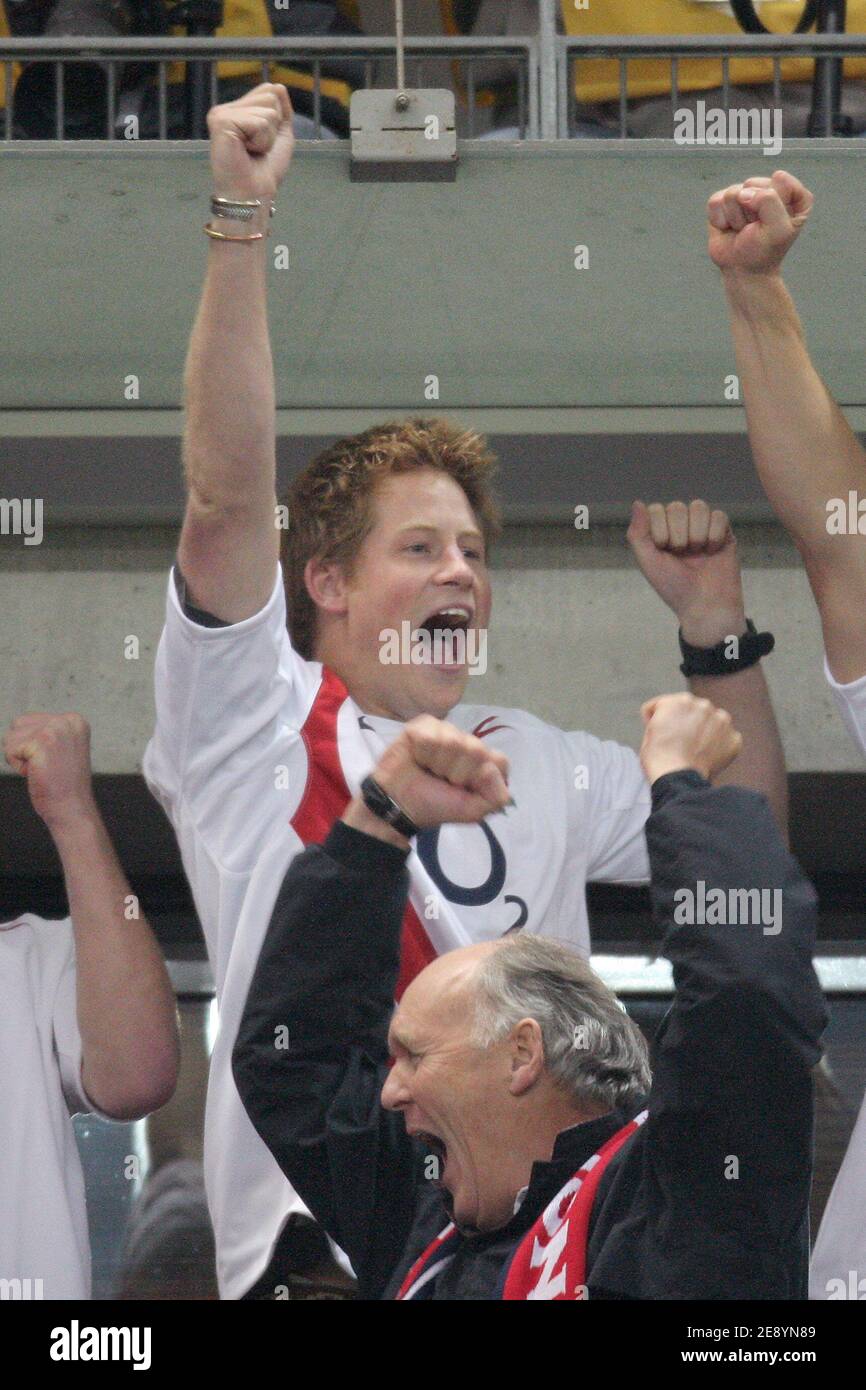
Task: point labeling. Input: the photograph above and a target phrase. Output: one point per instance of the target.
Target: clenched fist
(251, 143)
(752, 224)
(685, 732)
(689, 555)
(53, 752)
(437, 774)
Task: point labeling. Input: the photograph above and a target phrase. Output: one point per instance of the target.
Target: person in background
(275, 692)
(87, 1019)
(85, 84)
(813, 470)
(521, 1149)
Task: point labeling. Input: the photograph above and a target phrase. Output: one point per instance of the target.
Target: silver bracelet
(237, 211)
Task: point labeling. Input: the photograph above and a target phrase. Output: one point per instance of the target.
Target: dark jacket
(709, 1199)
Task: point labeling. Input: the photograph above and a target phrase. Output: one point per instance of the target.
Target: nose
(455, 568)
(395, 1093)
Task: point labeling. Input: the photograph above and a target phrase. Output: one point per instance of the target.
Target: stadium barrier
(544, 68)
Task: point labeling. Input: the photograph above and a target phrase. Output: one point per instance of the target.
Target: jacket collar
(572, 1148)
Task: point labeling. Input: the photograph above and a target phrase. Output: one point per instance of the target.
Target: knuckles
(46, 729)
(425, 735)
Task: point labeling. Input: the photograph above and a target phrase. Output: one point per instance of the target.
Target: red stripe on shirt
(326, 797)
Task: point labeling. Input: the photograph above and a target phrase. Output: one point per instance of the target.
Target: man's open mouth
(445, 621)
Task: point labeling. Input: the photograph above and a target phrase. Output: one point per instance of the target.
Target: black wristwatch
(377, 800)
(715, 661)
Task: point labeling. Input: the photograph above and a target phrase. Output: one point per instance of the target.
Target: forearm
(738, 914)
(760, 764)
(738, 1044)
(229, 544)
(806, 456)
(804, 449)
(229, 450)
(126, 1008)
(328, 965)
(311, 1053)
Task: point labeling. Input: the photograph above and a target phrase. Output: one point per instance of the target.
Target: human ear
(527, 1055)
(326, 585)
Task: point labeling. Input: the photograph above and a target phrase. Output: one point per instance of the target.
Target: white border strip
(642, 975)
(626, 975)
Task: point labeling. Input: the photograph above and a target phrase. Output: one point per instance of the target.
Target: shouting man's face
(462, 1101)
(422, 567)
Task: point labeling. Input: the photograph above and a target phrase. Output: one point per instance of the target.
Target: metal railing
(544, 68)
(831, 48)
(304, 53)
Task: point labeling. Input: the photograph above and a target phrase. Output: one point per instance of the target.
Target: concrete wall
(577, 635)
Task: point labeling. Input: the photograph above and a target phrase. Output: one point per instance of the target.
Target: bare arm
(126, 1010)
(804, 450)
(689, 555)
(760, 764)
(229, 545)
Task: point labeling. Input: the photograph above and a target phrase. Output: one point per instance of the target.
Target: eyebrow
(398, 1040)
(434, 530)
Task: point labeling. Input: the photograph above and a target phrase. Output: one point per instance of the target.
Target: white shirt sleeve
(230, 701)
(64, 1022)
(841, 1243)
(851, 700)
(609, 805)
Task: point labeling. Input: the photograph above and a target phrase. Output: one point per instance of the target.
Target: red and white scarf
(550, 1261)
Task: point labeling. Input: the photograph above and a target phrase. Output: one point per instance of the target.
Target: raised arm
(688, 553)
(126, 1009)
(311, 1054)
(804, 450)
(730, 1129)
(229, 544)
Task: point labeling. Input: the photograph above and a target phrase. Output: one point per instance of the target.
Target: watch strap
(719, 660)
(377, 800)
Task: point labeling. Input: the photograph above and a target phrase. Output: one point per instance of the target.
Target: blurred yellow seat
(16, 67)
(484, 96)
(598, 79)
(249, 19)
